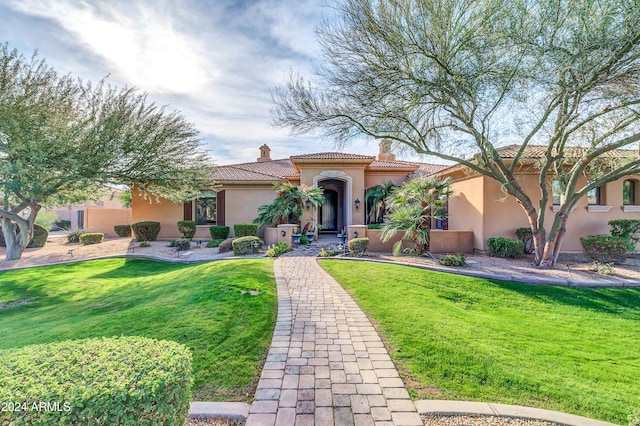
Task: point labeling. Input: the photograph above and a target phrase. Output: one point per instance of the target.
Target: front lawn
(455, 337)
(207, 307)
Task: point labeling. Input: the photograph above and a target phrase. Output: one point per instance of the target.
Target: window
(556, 192)
(629, 192)
(594, 197)
(206, 208)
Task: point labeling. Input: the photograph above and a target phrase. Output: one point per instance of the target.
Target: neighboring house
(477, 206)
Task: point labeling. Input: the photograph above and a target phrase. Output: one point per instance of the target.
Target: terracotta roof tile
(537, 151)
(332, 156)
(232, 173)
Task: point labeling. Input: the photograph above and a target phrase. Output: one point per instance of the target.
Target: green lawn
(567, 349)
(200, 306)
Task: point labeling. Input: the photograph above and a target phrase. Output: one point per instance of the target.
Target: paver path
(327, 365)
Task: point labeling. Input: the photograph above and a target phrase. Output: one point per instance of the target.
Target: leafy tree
(377, 198)
(450, 78)
(287, 207)
(412, 207)
(62, 140)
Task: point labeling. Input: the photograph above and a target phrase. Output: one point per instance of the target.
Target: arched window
(629, 188)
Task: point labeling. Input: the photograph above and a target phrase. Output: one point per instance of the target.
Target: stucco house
(478, 209)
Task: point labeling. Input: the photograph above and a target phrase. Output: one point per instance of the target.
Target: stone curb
(523, 279)
(224, 410)
(454, 408)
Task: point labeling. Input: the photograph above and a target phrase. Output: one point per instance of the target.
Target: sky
(213, 60)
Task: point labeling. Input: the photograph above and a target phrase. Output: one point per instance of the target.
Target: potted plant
(296, 236)
(311, 233)
(342, 235)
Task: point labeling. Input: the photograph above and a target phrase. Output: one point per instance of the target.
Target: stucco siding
(242, 204)
(466, 208)
(161, 210)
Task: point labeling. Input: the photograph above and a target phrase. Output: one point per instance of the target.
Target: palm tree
(377, 198)
(287, 207)
(412, 206)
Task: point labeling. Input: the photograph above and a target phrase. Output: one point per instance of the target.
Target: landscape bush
(277, 249)
(525, 235)
(74, 235)
(214, 243)
(453, 260)
(607, 248)
(245, 230)
(146, 231)
(144, 244)
(121, 380)
(182, 244)
(374, 226)
(304, 240)
(40, 235)
(122, 230)
(626, 228)
(91, 238)
(246, 245)
(187, 228)
(219, 232)
(505, 247)
(62, 224)
(358, 246)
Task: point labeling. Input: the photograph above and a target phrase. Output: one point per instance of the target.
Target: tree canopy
(62, 139)
(458, 79)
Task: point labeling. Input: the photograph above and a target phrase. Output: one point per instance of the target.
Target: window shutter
(188, 210)
(220, 208)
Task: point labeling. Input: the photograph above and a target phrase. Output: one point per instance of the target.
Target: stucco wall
(103, 220)
(162, 210)
(242, 203)
(465, 208)
(373, 178)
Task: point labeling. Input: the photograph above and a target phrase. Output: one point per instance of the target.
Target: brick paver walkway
(327, 365)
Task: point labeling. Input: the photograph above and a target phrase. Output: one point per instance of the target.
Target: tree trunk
(17, 235)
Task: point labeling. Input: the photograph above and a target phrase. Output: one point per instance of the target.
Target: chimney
(385, 153)
(265, 154)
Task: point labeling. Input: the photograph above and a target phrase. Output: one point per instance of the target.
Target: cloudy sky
(214, 60)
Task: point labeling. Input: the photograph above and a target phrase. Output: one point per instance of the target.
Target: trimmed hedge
(182, 244)
(74, 236)
(91, 238)
(245, 230)
(246, 245)
(358, 246)
(146, 231)
(214, 243)
(40, 235)
(39, 239)
(505, 247)
(607, 248)
(453, 260)
(187, 228)
(123, 230)
(219, 232)
(124, 381)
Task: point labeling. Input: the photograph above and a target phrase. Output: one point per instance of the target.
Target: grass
(201, 306)
(454, 337)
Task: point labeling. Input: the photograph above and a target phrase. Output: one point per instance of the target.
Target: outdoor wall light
(355, 234)
(283, 233)
(307, 204)
(357, 201)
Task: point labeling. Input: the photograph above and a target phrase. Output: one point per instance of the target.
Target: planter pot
(296, 238)
(342, 238)
(310, 236)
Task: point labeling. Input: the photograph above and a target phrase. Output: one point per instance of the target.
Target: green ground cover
(202, 306)
(454, 337)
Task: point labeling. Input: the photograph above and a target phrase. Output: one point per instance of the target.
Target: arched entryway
(331, 214)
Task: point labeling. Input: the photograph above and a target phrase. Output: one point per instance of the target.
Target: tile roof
(537, 151)
(332, 156)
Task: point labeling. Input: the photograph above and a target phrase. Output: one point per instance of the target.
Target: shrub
(453, 260)
(245, 230)
(144, 244)
(602, 268)
(525, 235)
(123, 230)
(505, 247)
(358, 246)
(246, 245)
(187, 228)
(214, 243)
(607, 248)
(146, 231)
(276, 250)
(40, 235)
(374, 226)
(74, 236)
(91, 238)
(626, 228)
(182, 244)
(125, 380)
(219, 232)
(304, 239)
(62, 224)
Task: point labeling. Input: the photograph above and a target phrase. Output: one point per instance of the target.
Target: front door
(329, 211)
